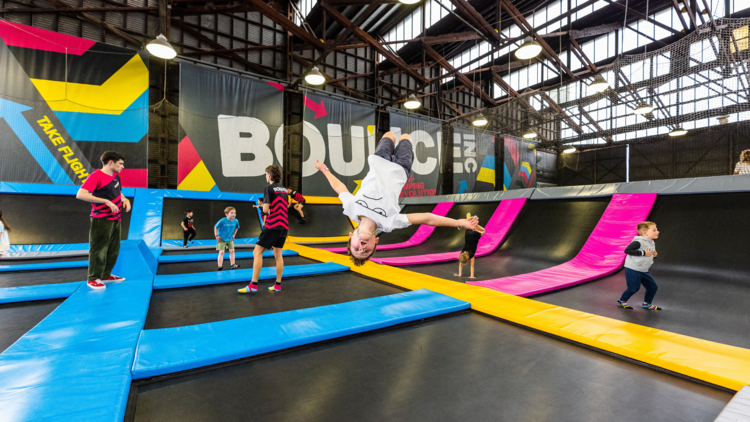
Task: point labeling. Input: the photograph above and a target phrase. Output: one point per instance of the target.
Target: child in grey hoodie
(640, 256)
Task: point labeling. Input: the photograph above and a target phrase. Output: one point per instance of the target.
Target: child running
(188, 231)
(375, 206)
(641, 253)
(225, 230)
(299, 205)
(4, 239)
(275, 229)
(471, 241)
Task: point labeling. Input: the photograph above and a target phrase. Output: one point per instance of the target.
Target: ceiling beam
(471, 14)
(287, 24)
(559, 110)
(679, 14)
(233, 50)
(98, 22)
(460, 76)
(594, 30)
(78, 9)
(642, 16)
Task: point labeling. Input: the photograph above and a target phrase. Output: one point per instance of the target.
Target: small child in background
(471, 241)
(640, 256)
(188, 231)
(4, 239)
(293, 194)
(225, 230)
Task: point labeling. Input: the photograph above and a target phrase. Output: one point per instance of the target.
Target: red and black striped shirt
(277, 198)
(103, 186)
(297, 196)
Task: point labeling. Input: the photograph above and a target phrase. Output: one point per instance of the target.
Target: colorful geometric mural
(519, 168)
(192, 173)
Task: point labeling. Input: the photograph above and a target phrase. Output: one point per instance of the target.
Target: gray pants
(402, 155)
(104, 247)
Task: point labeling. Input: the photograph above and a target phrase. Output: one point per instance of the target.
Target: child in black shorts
(275, 229)
(471, 241)
(188, 231)
(299, 205)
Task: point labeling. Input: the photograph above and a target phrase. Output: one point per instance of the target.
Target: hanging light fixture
(643, 108)
(529, 134)
(314, 77)
(599, 84)
(408, 1)
(412, 102)
(480, 120)
(569, 150)
(529, 49)
(161, 48)
(678, 131)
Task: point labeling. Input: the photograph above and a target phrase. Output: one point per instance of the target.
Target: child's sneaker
(96, 284)
(191, 241)
(185, 247)
(275, 288)
(651, 307)
(220, 269)
(235, 266)
(623, 304)
(112, 278)
(250, 288)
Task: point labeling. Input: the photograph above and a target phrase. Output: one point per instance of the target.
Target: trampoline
(206, 214)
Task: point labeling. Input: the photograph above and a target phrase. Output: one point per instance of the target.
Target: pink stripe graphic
(18, 35)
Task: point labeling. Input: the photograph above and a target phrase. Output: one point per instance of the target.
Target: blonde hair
(463, 258)
(745, 156)
(642, 227)
(228, 209)
(358, 262)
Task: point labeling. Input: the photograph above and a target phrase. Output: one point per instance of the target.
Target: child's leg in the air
(404, 154)
(633, 279)
(298, 207)
(387, 146)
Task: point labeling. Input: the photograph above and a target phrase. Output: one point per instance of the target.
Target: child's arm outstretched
(336, 184)
(472, 268)
(438, 221)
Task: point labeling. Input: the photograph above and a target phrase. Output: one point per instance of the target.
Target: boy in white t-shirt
(375, 206)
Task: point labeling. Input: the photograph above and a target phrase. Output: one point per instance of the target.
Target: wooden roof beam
(460, 76)
(471, 14)
(271, 13)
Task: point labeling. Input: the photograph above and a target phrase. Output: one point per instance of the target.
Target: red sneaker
(96, 284)
(275, 288)
(112, 278)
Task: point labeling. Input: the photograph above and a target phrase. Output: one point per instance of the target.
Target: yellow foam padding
(331, 239)
(323, 200)
(198, 179)
(112, 97)
(715, 363)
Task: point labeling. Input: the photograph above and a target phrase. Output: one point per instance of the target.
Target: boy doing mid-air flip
(375, 206)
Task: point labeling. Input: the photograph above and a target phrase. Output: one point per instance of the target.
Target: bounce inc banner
(426, 136)
(64, 101)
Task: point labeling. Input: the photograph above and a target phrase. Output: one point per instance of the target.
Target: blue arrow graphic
(11, 112)
(463, 186)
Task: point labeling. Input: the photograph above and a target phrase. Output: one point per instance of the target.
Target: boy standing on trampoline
(104, 191)
(640, 256)
(275, 229)
(375, 206)
(188, 231)
(225, 231)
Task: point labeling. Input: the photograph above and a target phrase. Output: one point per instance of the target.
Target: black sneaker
(220, 269)
(235, 266)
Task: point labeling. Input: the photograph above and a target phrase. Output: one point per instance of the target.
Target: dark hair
(111, 156)
(7, 227)
(358, 262)
(275, 173)
(188, 211)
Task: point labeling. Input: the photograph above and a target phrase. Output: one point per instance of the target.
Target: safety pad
(493, 196)
(708, 361)
(212, 256)
(738, 409)
(423, 232)
(40, 292)
(48, 189)
(44, 266)
(20, 256)
(208, 243)
(313, 240)
(211, 195)
(145, 223)
(601, 255)
(75, 364)
(174, 281)
(170, 350)
(582, 191)
(68, 247)
(716, 184)
(496, 229)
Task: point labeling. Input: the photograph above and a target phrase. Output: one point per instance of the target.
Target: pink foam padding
(423, 232)
(496, 229)
(601, 255)
(17, 35)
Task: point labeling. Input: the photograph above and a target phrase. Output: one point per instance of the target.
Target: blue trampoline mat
(40, 292)
(212, 256)
(45, 266)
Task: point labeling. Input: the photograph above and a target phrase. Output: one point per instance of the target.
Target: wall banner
(339, 133)
(64, 101)
(473, 160)
(231, 129)
(426, 136)
(519, 169)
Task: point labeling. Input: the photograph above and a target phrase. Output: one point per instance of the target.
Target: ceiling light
(643, 108)
(529, 49)
(408, 1)
(161, 48)
(529, 134)
(412, 102)
(569, 150)
(480, 120)
(314, 77)
(678, 131)
(598, 85)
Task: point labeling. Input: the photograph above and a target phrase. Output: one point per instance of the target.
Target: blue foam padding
(75, 364)
(213, 256)
(207, 242)
(46, 189)
(44, 266)
(174, 281)
(50, 248)
(212, 195)
(145, 221)
(40, 292)
(156, 252)
(169, 350)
